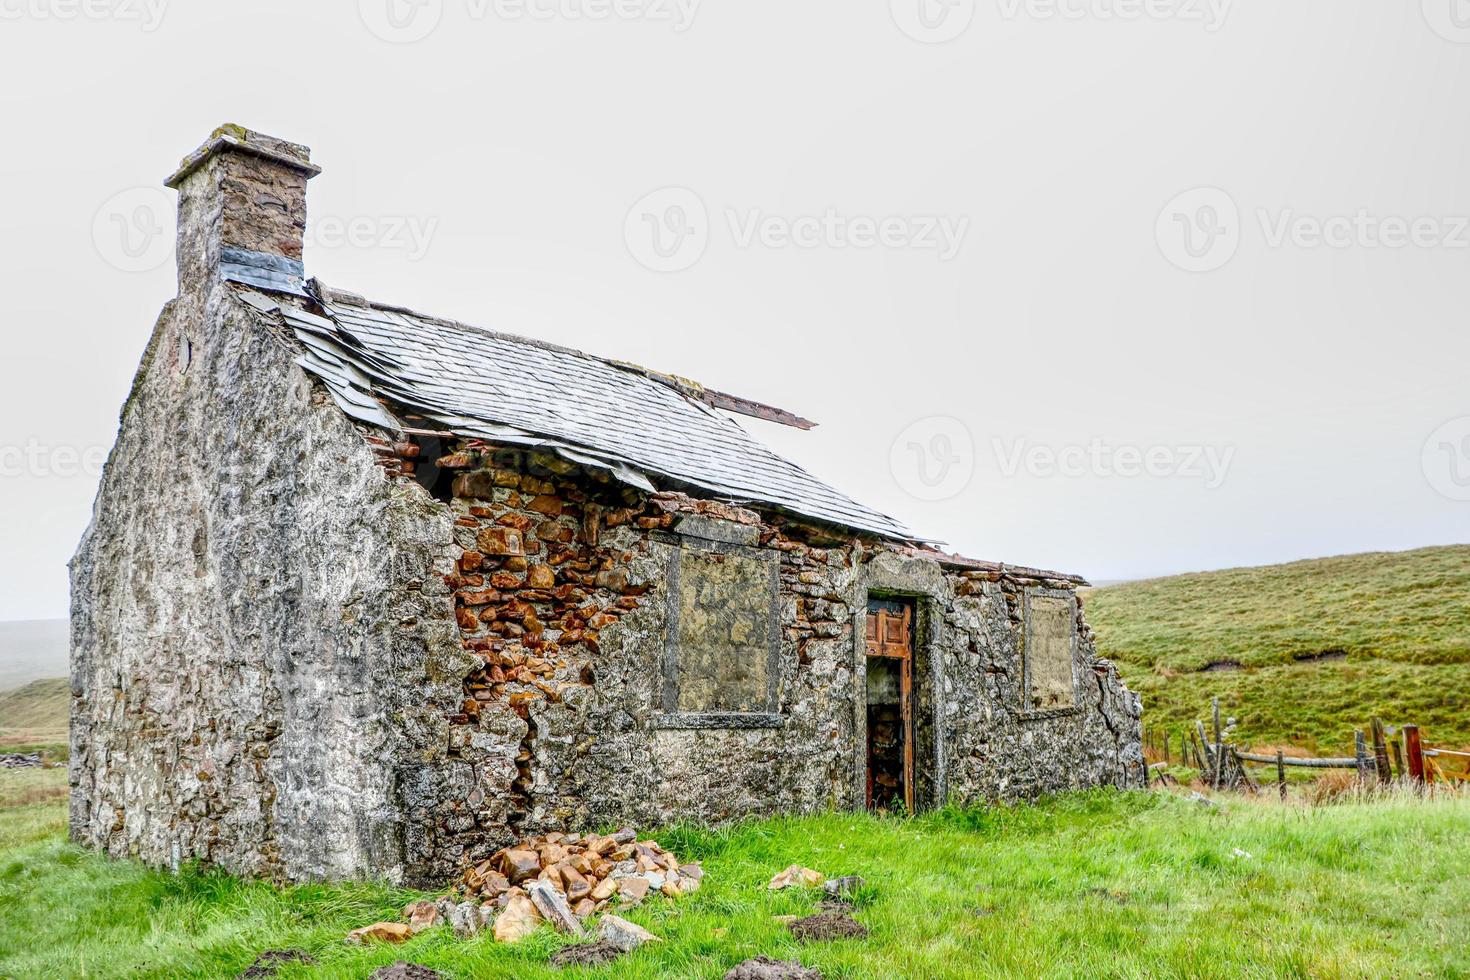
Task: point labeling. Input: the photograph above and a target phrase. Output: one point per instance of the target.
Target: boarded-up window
(1050, 631)
(722, 631)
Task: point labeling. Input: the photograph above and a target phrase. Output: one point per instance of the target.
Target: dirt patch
(1218, 665)
(1108, 894)
(828, 925)
(406, 971)
(765, 968)
(1312, 658)
(586, 954)
(267, 963)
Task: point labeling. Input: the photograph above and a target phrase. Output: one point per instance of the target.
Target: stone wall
(565, 589)
(249, 605)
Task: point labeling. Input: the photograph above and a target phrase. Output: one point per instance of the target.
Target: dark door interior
(890, 671)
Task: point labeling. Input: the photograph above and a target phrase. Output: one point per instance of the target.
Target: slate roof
(650, 430)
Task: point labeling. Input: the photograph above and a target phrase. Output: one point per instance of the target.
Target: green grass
(1094, 884)
(1402, 620)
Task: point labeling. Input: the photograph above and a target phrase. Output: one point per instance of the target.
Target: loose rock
(421, 916)
(795, 875)
(626, 936)
(553, 907)
(517, 921)
(387, 932)
(844, 888)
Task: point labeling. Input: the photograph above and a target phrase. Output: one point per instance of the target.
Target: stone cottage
(368, 593)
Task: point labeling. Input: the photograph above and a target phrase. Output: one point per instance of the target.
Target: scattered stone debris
(765, 968)
(796, 875)
(1202, 800)
(517, 921)
(828, 925)
(845, 888)
(387, 932)
(555, 878)
(405, 971)
(19, 760)
(626, 936)
(421, 916)
(267, 963)
(586, 954)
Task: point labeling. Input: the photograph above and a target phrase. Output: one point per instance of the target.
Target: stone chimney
(242, 211)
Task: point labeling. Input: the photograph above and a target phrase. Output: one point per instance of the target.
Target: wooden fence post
(1398, 760)
(1360, 750)
(1281, 773)
(1219, 744)
(1415, 751)
(1380, 752)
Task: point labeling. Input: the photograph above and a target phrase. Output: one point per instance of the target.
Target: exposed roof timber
(754, 409)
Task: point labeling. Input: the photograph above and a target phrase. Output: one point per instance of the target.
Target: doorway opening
(890, 685)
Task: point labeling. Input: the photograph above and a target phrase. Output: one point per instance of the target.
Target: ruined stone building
(368, 592)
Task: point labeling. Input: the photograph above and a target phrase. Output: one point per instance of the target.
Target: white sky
(520, 144)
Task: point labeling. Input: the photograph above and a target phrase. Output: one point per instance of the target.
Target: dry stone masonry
(318, 633)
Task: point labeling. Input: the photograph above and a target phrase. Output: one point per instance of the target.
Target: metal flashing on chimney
(262, 270)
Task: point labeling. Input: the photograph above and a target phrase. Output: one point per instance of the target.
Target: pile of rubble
(16, 760)
(557, 878)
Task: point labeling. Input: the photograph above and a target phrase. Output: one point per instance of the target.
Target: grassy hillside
(1096, 884)
(1301, 653)
(34, 715)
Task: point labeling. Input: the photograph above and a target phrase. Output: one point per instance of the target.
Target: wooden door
(890, 638)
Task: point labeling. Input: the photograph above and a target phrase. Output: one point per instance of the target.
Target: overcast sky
(1118, 287)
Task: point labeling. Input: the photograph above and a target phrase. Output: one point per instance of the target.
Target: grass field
(1096, 884)
(1305, 652)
